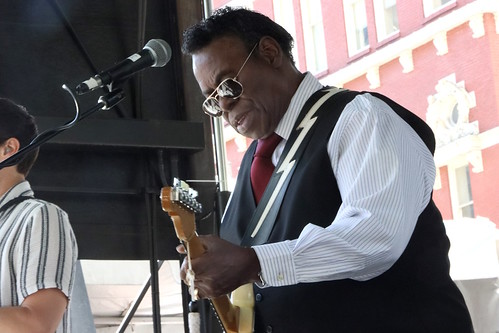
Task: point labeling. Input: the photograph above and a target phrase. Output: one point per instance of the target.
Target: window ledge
(445, 8)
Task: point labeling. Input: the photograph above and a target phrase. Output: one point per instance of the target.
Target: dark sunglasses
(228, 88)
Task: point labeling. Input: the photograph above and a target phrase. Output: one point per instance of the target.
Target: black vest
(415, 295)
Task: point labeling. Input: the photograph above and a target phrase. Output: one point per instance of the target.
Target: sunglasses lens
(211, 107)
(230, 88)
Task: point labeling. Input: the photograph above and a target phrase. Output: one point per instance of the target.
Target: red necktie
(262, 167)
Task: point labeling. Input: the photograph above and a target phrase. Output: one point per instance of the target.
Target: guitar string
(190, 276)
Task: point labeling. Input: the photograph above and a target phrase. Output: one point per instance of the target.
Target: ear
(10, 147)
(270, 50)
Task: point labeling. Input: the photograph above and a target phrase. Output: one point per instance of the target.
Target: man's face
(254, 114)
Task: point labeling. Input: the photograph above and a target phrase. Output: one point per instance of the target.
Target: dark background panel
(107, 171)
(46, 43)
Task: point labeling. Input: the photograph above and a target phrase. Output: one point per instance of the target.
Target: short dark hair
(16, 122)
(247, 25)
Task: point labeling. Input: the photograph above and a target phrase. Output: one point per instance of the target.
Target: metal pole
(135, 305)
(220, 153)
(218, 134)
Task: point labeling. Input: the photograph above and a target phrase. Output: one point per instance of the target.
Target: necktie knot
(266, 147)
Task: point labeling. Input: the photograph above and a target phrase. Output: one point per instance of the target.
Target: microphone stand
(105, 102)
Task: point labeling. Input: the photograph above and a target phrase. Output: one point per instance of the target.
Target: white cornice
(467, 147)
(426, 34)
(490, 138)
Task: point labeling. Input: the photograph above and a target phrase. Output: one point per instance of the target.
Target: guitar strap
(14, 202)
(262, 221)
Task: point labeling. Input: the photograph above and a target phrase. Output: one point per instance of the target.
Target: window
(313, 35)
(284, 15)
(460, 188)
(387, 22)
(356, 25)
(465, 200)
(432, 6)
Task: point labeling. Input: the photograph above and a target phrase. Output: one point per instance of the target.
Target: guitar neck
(181, 206)
(227, 313)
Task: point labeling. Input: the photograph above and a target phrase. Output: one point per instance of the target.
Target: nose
(226, 103)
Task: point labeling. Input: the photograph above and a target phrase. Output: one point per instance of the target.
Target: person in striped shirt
(38, 249)
(350, 240)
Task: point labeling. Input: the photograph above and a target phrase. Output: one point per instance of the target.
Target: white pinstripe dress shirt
(385, 175)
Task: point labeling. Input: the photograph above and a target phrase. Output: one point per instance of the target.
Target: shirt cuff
(277, 265)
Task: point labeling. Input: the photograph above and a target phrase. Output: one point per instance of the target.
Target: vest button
(269, 329)
(258, 297)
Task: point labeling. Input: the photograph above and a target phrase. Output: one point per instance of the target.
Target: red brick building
(440, 59)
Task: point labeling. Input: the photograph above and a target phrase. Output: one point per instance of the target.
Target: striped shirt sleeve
(48, 251)
(385, 176)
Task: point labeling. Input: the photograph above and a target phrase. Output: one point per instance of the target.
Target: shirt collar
(307, 87)
(22, 188)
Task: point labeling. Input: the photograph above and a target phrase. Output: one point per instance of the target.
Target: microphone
(156, 53)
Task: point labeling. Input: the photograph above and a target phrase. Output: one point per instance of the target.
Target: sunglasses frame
(213, 96)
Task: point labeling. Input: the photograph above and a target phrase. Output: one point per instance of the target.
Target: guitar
(180, 203)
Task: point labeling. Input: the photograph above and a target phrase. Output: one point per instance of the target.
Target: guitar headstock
(179, 201)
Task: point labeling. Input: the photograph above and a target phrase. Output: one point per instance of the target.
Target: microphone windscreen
(161, 50)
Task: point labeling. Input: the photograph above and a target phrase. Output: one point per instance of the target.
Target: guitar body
(244, 298)
(179, 203)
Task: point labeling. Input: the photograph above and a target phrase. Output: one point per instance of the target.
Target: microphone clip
(111, 99)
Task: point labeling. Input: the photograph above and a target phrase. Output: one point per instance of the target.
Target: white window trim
(310, 42)
(380, 18)
(429, 10)
(458, 162)
(351, 43)
(287, 21)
